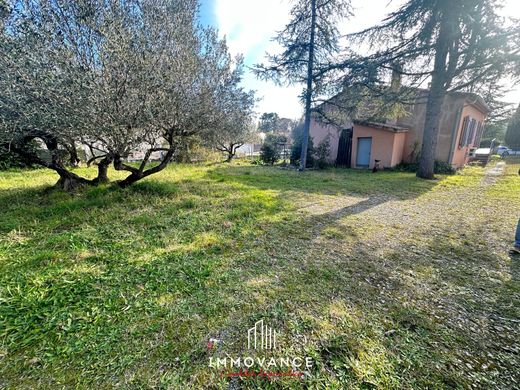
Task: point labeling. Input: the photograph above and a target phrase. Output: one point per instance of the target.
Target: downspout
(454, 134)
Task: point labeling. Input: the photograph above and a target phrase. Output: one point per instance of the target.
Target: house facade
(360, 143)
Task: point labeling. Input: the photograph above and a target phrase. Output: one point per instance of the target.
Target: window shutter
(471, 132)
(463, 132)
(479, 134)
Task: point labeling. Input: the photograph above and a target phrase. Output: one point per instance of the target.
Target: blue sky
(249, 26)
(207, 13)
(211, 12)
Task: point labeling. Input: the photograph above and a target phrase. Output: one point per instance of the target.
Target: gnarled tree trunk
(231, 150)
(230, 157)
(73, 155)
(69, 181)
(102, 166)
(137, 174)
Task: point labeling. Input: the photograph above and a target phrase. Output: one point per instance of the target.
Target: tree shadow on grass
(402, 185)
(462, 280)
(112, 267)
(401, 297)
(175, 264)
(348, 305)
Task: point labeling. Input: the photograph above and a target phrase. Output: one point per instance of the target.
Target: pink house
(359, 143)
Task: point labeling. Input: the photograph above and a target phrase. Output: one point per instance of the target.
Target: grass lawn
(386, 281)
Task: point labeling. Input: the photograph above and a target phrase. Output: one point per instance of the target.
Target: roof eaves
(382, 126)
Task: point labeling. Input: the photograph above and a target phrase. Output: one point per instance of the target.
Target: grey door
(364, 147)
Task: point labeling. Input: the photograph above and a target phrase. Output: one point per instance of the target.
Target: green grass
(387, 281)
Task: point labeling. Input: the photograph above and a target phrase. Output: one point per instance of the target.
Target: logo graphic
(261, 336)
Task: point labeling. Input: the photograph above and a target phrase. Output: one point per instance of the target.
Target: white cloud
(249, 27)
(250, 24)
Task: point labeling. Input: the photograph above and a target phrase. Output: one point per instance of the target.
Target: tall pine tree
(513, 131)
(310, 45)
(456, 45)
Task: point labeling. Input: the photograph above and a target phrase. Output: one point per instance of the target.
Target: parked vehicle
(504, 151)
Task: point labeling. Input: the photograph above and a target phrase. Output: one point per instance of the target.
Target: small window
(471, 132)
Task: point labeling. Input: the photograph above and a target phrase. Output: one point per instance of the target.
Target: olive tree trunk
(102, 176)
(69, 181)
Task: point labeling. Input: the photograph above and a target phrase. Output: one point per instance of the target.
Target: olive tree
(113, 76)
(234, 113)
(233, 133)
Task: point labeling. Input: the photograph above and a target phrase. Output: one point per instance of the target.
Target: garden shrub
(321, 153)
(440, 167)
(270, 151)
(9, 159)
(296, 152)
